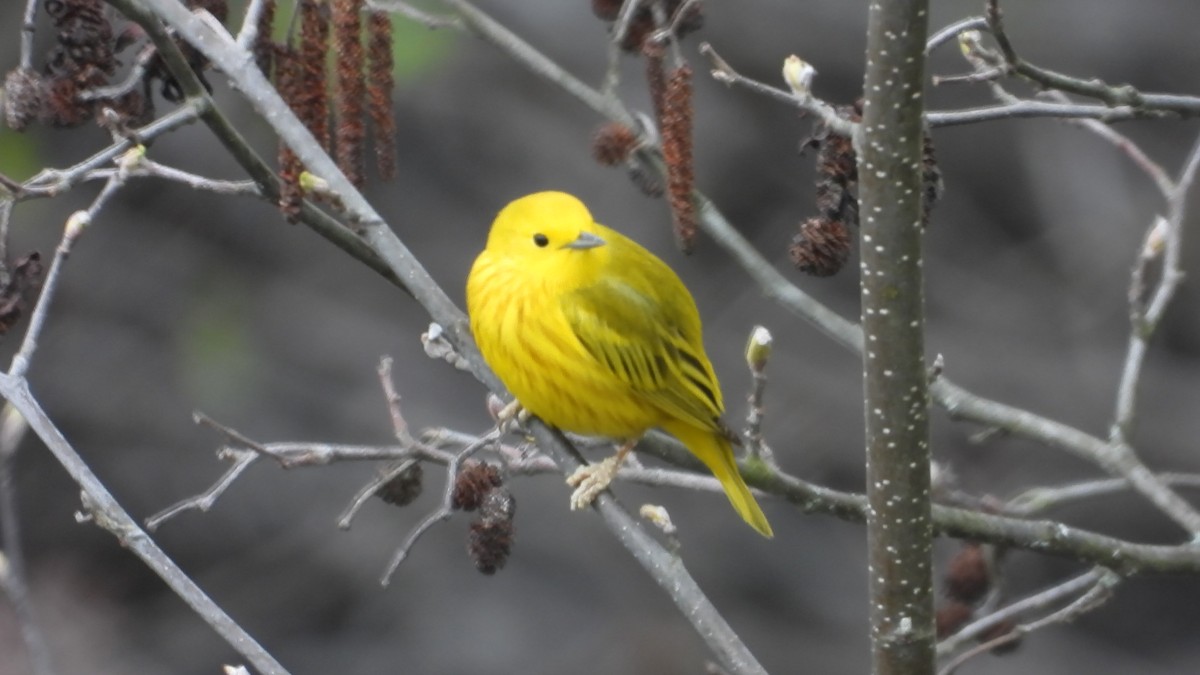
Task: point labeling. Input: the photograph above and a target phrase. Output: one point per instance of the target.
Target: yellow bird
(595, 335)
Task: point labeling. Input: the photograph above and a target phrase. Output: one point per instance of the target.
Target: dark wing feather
(645, 345)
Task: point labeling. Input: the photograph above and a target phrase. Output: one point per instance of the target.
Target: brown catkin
(656, 77)
(490, 537)
(404, 487)
(613, 143)
(264, 44)
(288, 80)
(472, 484)
(822, 246)
(380, 84)
(676, 126)
(968, 576)
(950, 617)
(351, 88)
(312, 104)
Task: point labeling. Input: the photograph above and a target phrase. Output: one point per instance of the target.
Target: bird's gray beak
(585, 240)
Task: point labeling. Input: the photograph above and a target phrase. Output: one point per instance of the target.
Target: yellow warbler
(594, 334)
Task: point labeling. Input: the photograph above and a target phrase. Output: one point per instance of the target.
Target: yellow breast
(524, 336)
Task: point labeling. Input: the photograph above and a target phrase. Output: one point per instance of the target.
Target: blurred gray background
(177, 301)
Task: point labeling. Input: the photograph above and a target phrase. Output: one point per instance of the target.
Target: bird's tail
(716, 453)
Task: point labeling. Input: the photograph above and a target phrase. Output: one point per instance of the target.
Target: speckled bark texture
(899, 531)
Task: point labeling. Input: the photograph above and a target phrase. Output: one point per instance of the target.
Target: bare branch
(108, 514)
(242, 459)
(1121, 95)
(951, 32)
(367, 491)
(75, 226)
(1144, 323)
(28, 28)
(249, 31)
(406, 10)
(723, 72)
(1099, 583)
(1117, 458)
(1041, 499)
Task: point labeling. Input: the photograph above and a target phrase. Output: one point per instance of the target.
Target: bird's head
(549, 233)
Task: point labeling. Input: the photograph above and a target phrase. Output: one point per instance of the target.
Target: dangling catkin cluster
(82, 59)
(474, 480)
(648, 34)
(380, 83)
(491, 535)
(362, 80)
(311, 102)
(966, 582)
(676, 127)
(478, 485)
(403, 488)
(289, 81)
(351, 88)
(822, 245)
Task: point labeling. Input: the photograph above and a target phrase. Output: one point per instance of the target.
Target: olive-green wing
(639, 341)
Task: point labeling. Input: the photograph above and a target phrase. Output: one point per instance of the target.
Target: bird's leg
(592, 479)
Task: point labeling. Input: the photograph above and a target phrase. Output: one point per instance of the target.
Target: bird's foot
(511, 416)
(592, 479)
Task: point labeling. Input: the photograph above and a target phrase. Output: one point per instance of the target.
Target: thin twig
(392, 398)
(1144, 323)
(1099, 592)
(1040, 601)
(1036, 109)
(52, 182)
(75, 226)
(133, 79)
(1116, 458)
(1121, 95)
(367, 491)
(620, 27)
(248, 33)
(725, 73)
(406, 10)
(1140, 159)
(1041, 499)
(951, 31)
(28, 28)
(238, 437)
(242, 459)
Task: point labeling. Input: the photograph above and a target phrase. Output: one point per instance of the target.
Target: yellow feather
(594, 334)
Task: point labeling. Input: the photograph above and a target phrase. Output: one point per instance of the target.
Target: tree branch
(896, 400)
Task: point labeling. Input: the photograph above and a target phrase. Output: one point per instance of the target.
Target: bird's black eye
(541, 239)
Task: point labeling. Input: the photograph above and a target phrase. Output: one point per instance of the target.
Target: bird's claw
(590, 480)
(512, 416)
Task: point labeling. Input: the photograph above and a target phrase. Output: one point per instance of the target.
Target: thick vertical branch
(899, 532)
